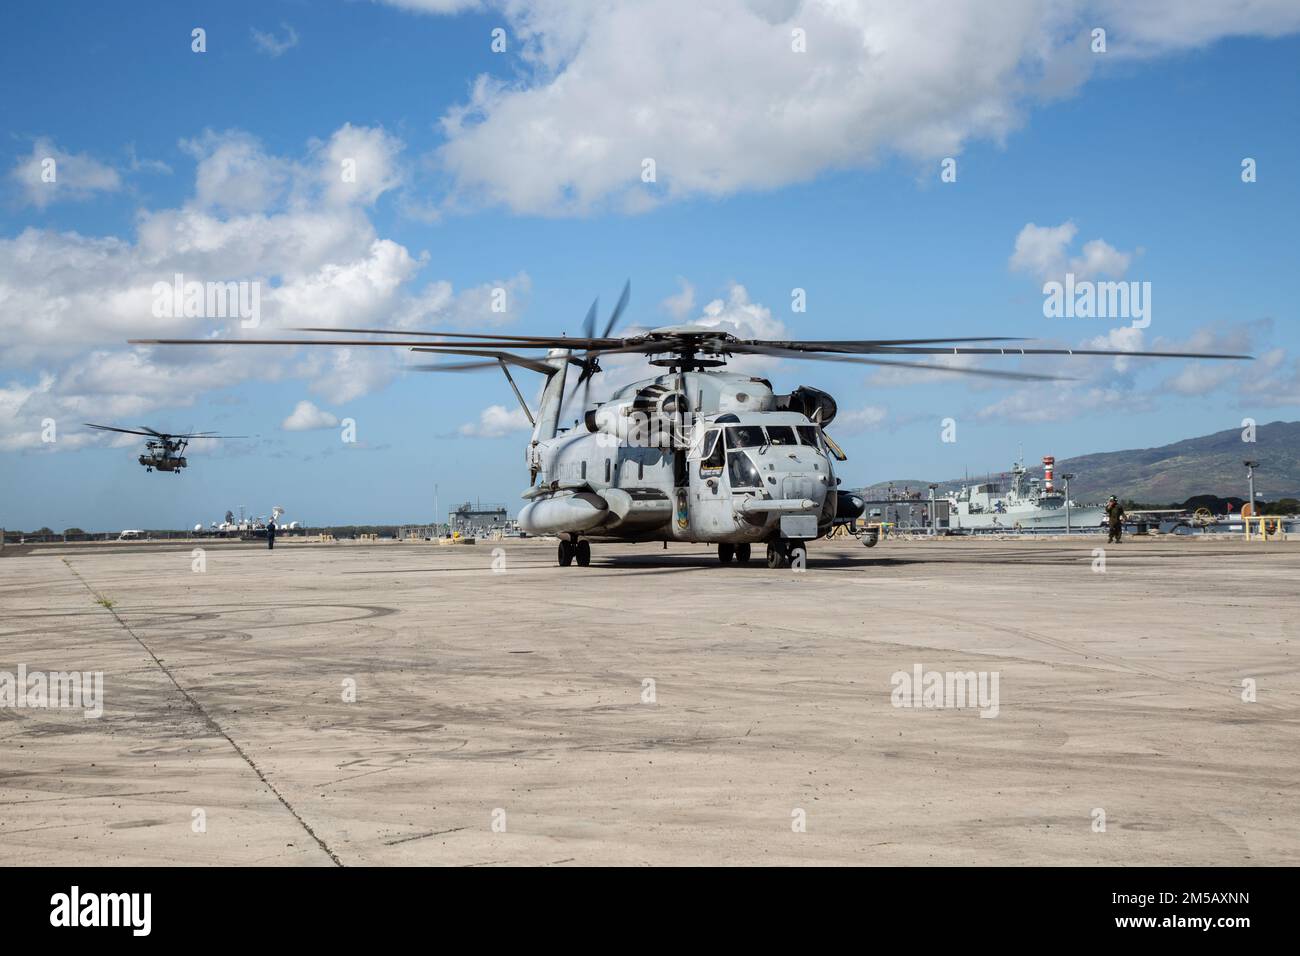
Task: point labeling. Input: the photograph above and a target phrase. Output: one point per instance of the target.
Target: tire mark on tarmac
(208, 718)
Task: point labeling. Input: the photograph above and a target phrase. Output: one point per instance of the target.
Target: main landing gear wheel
(566, 554)
(726, 552)
(776, 556)
(583, 553)
(742, 554)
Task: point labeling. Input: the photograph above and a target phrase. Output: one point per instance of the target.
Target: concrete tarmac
(327, 704)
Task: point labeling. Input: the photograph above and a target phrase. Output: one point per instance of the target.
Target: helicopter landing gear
(568, 551)
(726, 552)
(742, 554)
(783, 554)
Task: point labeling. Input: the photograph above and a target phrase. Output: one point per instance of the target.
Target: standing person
(270, 534)
(1115, 520)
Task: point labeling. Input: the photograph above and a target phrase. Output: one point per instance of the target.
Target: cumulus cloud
(718, 96)
(858, 420)
(72, 300)
(1043, 252)
(680, 304)
(1276, 382)
(50, 174)
(359, 164)
(306, 416)
(496, 421)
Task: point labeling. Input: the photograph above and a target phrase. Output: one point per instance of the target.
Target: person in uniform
(270, 534)
(1114, 520)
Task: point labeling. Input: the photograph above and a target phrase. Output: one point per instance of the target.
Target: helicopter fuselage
(696, 456)
(161, 462)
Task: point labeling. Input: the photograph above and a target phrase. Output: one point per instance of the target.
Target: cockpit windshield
(755, 436)
(808, 435)
(745, 436)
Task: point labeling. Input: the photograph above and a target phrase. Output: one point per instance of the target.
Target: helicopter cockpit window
(808, 435)
(780, 435)
(745, 436)
(742, 472)
(711, 458)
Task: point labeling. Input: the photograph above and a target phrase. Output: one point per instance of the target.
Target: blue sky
(172, 159)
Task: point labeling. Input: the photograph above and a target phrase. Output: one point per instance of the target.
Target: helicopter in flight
(163, 451)
(695, 453)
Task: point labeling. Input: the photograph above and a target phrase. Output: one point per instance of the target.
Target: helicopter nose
(804, 484)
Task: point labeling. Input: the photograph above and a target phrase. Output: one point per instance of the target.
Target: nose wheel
(781, 554)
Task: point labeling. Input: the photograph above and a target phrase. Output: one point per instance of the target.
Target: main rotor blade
(909, 350)
(858, 360)
(557, 343)
(124, 431)
(870, 345)
(450, 335)
(618, 309)
(589, 323)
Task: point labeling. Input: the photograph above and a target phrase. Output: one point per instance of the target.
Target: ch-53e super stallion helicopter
(695, 454)
(162, 451)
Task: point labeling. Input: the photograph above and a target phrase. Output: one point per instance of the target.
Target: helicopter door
(710, 495)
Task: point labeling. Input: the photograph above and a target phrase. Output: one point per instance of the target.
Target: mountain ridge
(1206, 464)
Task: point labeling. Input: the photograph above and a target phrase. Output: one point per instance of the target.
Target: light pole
(934, 517)
(1066, 478)
(1250, 478)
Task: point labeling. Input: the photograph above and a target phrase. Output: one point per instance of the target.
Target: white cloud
(714, 93)
(70, 300)
(860, 420)
(272, 45)
(235, 174)
(741, 317)
(1275, 382)
(496, 421)
(306, 416)
(359, 164)
(680, 305)
(76, 176)
(1043, 252)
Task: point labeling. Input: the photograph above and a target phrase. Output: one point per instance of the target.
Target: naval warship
(1026, 504)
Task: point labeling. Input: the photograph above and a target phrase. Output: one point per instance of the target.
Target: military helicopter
(694, 454)
(163, 451)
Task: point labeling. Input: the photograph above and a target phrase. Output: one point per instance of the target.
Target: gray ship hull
(1026, 519)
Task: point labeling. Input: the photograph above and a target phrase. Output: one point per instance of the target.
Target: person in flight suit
(1115, 520)
(270, 534)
